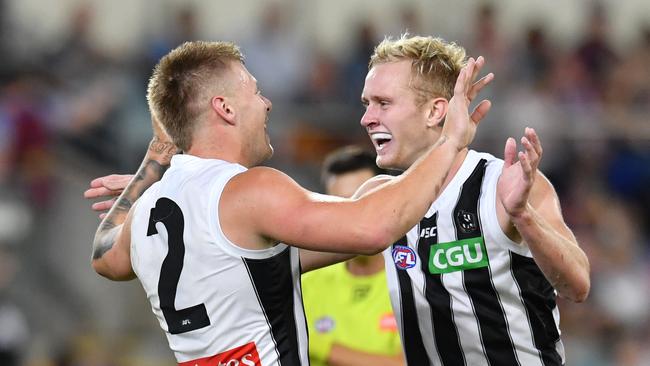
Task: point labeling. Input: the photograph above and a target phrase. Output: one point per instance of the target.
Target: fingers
(478, 65)
(100, 192)
(98, 182)
(529, 151)
(106, 186)
(109, 185)
(534, 139)
(525, 166)
(464, 79)
(103, 205)
(470, 74)
(117, 181)
(479, 85)
(509, 152)
(465, 83)
(481, 111)
(532, 151)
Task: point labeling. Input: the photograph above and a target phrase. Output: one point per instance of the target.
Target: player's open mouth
(381, 139)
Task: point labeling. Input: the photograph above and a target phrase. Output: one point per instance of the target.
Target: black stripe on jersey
(273, 283)
(477, 282)
(414, 349)
(539, 299)
(444, 329)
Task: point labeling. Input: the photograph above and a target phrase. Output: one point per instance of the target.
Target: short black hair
(349, 159)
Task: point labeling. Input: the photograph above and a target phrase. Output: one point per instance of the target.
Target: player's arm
(276, 208)
(263, 206)
(111, 245)
(311, 260)
(539, 222)
(553, 245)
(109, 187)
(344, 356)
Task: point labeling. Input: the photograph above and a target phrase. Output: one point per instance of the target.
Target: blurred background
(72, 107)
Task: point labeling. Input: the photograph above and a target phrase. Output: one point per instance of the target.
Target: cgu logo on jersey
(404, 257)
(458, 255)
(245, 355)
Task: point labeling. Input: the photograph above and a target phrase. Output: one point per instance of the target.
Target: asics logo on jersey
(458, 255)
(404, 257)
(428, 232)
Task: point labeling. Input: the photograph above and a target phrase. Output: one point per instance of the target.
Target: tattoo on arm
(104, 243)
(149, 172)
(163, 148)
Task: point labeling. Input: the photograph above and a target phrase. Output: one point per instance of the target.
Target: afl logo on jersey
(324, 324)
(404, 257)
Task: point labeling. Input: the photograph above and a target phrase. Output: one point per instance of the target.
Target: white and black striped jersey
(218, 304)
(463, 293)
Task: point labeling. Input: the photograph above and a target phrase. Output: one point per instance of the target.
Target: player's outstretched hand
(519, 172)
(459, 124)
(109, 186)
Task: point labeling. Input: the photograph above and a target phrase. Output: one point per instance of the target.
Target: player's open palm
(459, 125)
(519, 171)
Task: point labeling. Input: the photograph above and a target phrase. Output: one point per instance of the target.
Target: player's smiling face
(394, 121)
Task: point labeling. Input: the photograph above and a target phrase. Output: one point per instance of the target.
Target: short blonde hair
(436, 63)
(177, 89)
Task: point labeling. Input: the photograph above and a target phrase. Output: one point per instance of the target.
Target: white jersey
(463, 293)
(219, 304)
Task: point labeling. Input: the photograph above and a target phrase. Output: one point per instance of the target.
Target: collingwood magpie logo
(466, 221)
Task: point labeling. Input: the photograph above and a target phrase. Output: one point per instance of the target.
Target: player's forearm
(344, 356)
(401, 203)
(311, 260)
(560, 258)
(154, 164)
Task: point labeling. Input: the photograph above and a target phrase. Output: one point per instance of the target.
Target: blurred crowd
(75, 110)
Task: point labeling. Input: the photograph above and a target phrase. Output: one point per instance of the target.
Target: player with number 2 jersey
(251, 296)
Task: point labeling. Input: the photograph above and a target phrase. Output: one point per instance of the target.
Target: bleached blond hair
(435, 63)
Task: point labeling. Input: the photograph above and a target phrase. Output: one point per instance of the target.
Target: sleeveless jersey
(462, 291)
(218, 304)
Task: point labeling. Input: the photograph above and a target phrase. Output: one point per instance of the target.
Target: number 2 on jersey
(181, 320)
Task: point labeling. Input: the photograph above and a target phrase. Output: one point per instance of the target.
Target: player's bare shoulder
(260, 194)
(257, 180)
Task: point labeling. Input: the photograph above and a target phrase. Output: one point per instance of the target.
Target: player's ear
(222, 107)
(436, 110)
